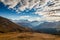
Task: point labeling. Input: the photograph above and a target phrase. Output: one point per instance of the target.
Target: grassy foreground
(28, 36)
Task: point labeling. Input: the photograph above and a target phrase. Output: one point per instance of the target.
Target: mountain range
(44, 27)
(27, 23)
(13, 31)
(8, 26)
(37, 24)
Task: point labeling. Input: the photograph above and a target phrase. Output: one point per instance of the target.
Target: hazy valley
(12, 31)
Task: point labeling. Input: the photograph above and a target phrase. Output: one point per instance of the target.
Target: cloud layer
(30, 18)
(49, 9)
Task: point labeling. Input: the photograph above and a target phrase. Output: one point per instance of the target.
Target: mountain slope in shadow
(8, 26)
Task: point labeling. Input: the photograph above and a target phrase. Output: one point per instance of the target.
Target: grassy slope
(28, 36)
(8, 26)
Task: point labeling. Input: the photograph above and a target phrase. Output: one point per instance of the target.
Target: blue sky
(5, 12)
(12, 14)
(34, 10)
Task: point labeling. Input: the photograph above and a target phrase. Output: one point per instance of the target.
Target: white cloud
(24, 3)
(11, 3)
(49, 19)
(30, 18)
(51, 13)
(46, 11)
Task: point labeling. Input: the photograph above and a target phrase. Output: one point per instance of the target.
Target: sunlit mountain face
(31, 12)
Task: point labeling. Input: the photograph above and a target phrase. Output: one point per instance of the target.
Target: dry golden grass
(28, 36)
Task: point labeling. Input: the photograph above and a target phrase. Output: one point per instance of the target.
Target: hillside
(8, 26)
(13, 32)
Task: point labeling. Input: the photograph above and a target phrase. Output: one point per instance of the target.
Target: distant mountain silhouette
(24, 23)
(45, 27)
(8, 26)
(48, 27)
(27, 23)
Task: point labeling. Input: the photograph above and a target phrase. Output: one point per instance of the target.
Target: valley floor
(28, 36)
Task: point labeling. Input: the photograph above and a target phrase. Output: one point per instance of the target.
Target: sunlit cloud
(48, 9)
(11, 3)
(50, 13)
(30, 18)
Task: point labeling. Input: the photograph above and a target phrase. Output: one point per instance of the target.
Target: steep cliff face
(7, 26)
